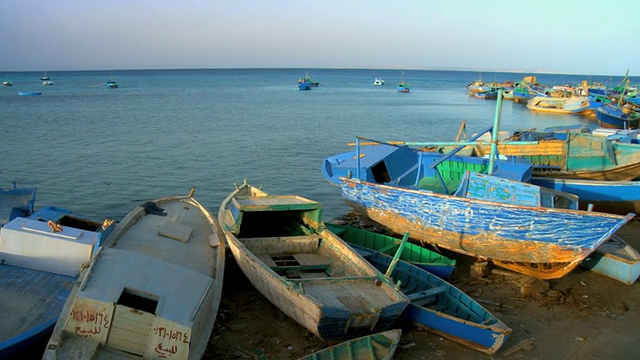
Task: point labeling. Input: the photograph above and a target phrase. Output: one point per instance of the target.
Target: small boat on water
(281, 244)
(616, 197)
(112, 84)
(380, 346)
(559, 105)
(616, 117)
(417, 255)
(7, 83)
(615, 259)
(378, 81)
(440, 307)
(29, 93)
(41, 256)
(47, 83)
(402, 85)
(152, 291)
(44, 77)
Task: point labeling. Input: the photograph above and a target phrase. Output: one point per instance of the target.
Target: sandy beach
(583, 315)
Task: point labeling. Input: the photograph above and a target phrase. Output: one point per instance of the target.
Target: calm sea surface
(101, 152)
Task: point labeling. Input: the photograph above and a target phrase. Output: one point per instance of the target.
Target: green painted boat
(380, 346)
(426, 259)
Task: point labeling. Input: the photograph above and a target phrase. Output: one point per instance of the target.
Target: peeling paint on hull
(542, 242)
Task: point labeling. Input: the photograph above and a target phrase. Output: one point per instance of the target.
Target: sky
(541, 36)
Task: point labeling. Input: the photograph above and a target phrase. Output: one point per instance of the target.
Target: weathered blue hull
(543, 238)
(440, 307)
(611, 116)
(615, 259)
(617, 197)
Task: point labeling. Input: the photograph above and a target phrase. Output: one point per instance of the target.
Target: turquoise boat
(615, 259)
(426, 259)
(380, 346)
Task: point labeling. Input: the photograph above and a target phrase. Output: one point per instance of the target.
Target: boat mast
(495, 133)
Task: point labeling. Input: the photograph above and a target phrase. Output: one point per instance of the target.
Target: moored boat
(309, 273)
(402, 85)
(7, 83)
(112, 84)
(431, 261)
(559, 105)
(152, 291)
(612, 116)
(440, 307)
(378, 81)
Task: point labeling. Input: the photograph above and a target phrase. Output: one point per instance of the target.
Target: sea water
(100, 151)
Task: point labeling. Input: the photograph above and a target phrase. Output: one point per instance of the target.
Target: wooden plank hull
(615, 259)
(441, 307)
(433, 262)
(500, 232)
(617, 197)
(312, 276)
(152, 291)
(380, 346)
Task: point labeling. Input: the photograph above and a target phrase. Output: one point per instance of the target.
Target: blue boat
(612, 116)
(111, 84)
(16, 202)
(616, 197)
(41, 256)
(440, 307)
(29, 93)
(615, 259)
(481, 207)
(304, 83)
(402, 85)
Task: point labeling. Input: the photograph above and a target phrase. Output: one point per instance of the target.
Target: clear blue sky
(559, 36)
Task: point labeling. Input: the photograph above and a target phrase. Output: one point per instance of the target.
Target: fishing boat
(378, 81)
(402, 85)
(431, 261)
(152, 291)
(380, 346)
(112, 84)
(559, 105)
(309, 273)
(47, 83)
(41, 256)
(304, 84)
(440, 307)
(29, 93)
(616, 117)
(615, 259)
(616, 197)
(565, 153)
(16, 202)
(44, 77)
(7, 83)
(481, 207)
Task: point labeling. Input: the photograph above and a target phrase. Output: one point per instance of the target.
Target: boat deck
(30, 298)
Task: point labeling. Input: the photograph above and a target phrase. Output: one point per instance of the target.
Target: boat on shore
(152, 291)
(41, 257)
(615, 259)
(440, 307)
(431, 261)
(281, 244)
(380, 346)
(481, 207)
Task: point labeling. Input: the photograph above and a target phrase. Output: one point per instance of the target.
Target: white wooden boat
(152, 291)
(559, 105)
(313, 276)
(380, 346)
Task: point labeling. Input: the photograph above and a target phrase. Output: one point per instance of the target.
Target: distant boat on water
(44, 77)
(29, 93)
(402, 85)
(112, 84)
(47, 83)
(378, 81)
